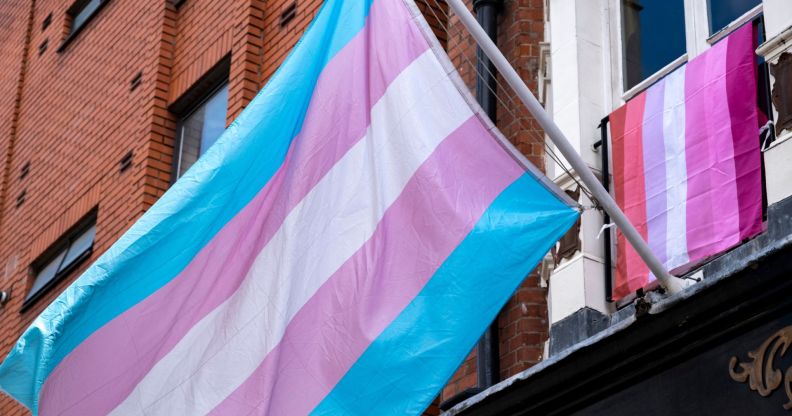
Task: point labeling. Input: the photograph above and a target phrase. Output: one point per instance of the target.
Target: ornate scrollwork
(761, 375)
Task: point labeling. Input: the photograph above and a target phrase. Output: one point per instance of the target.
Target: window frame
(180, 123)
(71, 12)
(653, 77)
(192, 100)
(697, 36)
(60, 249)
(746, 17)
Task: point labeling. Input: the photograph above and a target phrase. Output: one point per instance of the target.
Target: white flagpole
(670, 283)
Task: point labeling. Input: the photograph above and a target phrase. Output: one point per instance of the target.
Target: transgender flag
(686, 161)
(338, 251)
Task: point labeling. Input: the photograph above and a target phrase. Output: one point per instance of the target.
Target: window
(654, 36)
(723, 12)
(81, 11)
(64, 256)
(200, 128)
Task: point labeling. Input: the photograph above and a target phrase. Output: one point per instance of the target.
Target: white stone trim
(774, 47)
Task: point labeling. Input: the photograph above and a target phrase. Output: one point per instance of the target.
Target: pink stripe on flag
(360, 300)
(103, 370)
(713, 218)
(741, 85)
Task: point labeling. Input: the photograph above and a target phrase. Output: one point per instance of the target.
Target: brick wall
(14, 31)
(523, 322)
(70, 113)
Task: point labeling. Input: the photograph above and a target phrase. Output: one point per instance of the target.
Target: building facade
(105, 103)
(721, 345)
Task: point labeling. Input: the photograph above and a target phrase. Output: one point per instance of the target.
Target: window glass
(46, 274)
(83, 13)
(215, 121)
(723, 12)
(654, 36)
(81, 245)
(199, 130)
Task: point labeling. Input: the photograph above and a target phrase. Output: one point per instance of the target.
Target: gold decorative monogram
(761, 375)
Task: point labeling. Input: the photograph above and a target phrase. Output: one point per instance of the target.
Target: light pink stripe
(437, 209)
(713, 218)
(102, 371)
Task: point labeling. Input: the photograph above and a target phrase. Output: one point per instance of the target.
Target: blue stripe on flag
(164, 240)
(403, 369)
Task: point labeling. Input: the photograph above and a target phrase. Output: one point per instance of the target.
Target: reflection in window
(201, 128)
(723, 12)
(654, 35)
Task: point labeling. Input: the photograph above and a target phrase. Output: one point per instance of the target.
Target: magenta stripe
(354, 306)
(741, 84)
(102, 371)
(655, 171)
(712, 211)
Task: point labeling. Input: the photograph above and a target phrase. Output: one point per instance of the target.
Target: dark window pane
(654, 35)
(81, 15)
(202, 128)
(46, 274)
(723, 12)
(79, 246)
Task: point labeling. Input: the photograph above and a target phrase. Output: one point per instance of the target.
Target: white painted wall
(778, 16)
(581, 98)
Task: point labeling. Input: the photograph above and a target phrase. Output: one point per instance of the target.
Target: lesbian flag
(686, 161)
(338, 251)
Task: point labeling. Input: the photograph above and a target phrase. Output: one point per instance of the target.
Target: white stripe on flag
(676, 170)
(419, 109)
